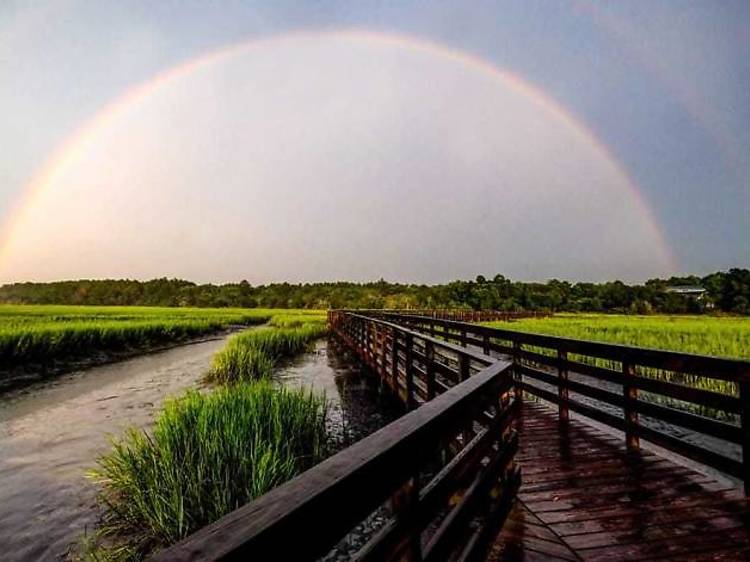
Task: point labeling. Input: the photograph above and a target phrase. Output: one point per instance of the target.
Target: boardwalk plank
(659, 485)
(584, 497)
(641, 533)
(663, 517)
(736, 538)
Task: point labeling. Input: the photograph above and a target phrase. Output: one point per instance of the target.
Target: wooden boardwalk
(444, 478)
(584, 497)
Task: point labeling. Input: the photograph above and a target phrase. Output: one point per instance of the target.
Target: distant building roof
(686, 290)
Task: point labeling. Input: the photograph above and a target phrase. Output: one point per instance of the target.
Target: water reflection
(51, 433)
(358, 404)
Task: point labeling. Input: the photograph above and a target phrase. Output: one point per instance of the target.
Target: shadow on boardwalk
(584, 497)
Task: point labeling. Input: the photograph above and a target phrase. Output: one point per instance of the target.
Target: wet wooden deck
(584, 497)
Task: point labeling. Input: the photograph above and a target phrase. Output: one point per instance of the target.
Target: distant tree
(727, 291)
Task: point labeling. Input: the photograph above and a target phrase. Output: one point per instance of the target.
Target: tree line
(727, 291)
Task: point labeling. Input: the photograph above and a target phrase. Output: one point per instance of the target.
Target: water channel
(51, 433)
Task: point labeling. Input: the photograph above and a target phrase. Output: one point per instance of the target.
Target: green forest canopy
(724, 292)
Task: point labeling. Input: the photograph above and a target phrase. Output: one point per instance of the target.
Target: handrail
(727, 368)
(617, 384)
(458, 444)
(459, 314)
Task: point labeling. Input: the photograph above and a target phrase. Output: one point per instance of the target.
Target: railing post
(383, 353)
(562, 384)
(403, 504)
(486, 344)
(373, 345)
(502, 403)
(517, 376)
(464, 368)
(394, 358)
(745, 421)
(368, 343)
(376, 347)
(429, 367)
(408, 371)
(464, 372)
(630, 395)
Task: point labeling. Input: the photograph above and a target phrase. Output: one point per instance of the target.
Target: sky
(415, 141)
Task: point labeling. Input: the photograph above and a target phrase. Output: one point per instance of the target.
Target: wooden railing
(443, 475)
(645, 393)
(460, 314)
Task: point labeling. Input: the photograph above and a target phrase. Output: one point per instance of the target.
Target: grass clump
(253, 354)
(208, 455)
(296, 319)
(240, 362)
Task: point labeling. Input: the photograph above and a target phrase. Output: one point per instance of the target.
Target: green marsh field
(42, 334)
(718, 336)
(705, 335)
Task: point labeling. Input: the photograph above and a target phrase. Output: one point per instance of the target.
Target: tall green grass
(44, 343)
(32, 334)
(253, 354)
(208, 455)
(296, 319)
(703, 335)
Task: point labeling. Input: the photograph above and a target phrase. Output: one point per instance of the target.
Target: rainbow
(77, 144)
(694, 104)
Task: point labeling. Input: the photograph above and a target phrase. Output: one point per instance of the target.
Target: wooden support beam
(630, 395)
(562, 385)
(745, 425)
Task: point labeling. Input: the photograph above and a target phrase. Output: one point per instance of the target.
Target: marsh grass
(208, 454)
(703, 335)
(296, 319)
(253, 354)
(46, 334)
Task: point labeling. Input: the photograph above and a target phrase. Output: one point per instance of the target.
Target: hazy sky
(419, 141)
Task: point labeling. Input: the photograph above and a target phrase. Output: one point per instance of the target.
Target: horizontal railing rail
(643, 392)
(460, 314)
(441, 478)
